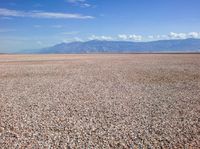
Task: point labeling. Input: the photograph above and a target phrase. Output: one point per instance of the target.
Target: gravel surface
(100, 101)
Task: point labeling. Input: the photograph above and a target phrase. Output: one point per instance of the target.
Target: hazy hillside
(97, 46)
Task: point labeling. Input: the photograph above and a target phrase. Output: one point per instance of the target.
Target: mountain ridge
(104, 46)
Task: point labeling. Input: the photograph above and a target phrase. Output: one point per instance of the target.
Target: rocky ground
(100, 101)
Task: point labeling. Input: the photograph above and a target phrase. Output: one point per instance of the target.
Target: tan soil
(100, 101)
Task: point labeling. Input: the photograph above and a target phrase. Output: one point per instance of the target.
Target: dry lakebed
(100, 101)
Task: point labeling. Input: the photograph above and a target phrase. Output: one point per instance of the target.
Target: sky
(32, 24)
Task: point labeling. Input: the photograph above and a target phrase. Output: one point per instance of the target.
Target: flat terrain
(100, 101)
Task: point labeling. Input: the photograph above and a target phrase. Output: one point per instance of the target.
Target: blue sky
(30, 24)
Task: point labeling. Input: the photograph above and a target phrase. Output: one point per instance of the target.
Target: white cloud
(106, 38)
(52, 15)
(130, 37)
(135, 37)
(123, 36)
(86, 5)
(151, 37)
(119, 37)
(177, 35)
(11, 13)
(94, 37)
(164, 36)
(81, 3)
(78, 39)
(74, 39)
(194, 34)
(173, 35)
(158, 36)
(40, 14)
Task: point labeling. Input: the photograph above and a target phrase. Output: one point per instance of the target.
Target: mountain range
(98, 46)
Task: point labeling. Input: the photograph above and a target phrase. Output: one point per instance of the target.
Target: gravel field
(100, 101)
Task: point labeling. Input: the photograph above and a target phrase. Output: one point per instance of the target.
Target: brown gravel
(100, 101)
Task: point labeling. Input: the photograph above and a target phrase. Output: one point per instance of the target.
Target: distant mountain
(97, 46)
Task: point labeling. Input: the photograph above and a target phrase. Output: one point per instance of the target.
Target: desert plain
(100, 101)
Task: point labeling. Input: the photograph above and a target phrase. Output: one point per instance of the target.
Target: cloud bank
(119, 37)
(130, 37)
(134, 37)
(174, 35)
(41, 14)
(94, 37)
